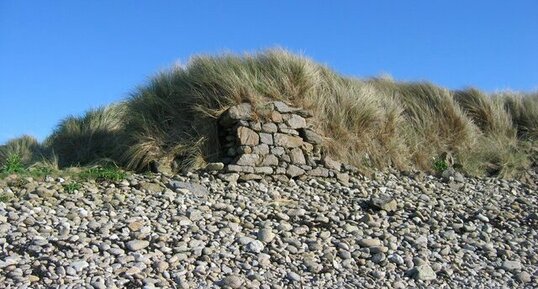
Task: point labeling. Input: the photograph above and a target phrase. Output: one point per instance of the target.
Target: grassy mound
(90, 138)
(372, 123)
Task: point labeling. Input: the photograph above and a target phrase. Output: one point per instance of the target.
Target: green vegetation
(71, 187)
(4, 198)
(440, 165)
(371, 123)
(13, 164)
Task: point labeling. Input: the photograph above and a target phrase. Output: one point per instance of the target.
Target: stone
(232, 281)
(269, 127)
(296, 122)
(151, 187)
(230, 178)
(294, 277)
(266, 235)
(396, 259)
(255, 246)
(194, 188)
(161, 266)
(332, 164)
(294, 171)
(384, 202)
(524, 277)
(214, 166)
(136, 245)
(255, 125)
(269, 160)
(79, 265)
(319, 172)
(511, 265)
(263, 170)
(135, 225)
(262, 149)
(248, 137)
(248, 160)
(369, 243)
(278, 151)
(287, 141)
(424, 273)
(276, 117)
(242, 111)
(312, 266)
(282, 107)
(266, 138)
(343, 178)
(297, 156)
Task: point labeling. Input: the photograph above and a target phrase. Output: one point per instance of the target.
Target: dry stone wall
(273, 141)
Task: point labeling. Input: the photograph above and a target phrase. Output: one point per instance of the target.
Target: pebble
(315, 233)
(136, 245)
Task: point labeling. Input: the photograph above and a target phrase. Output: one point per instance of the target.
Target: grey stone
(261, 149)
(319, 172)
(231, 177)
(511, 265)
(233, 281)
(79, 265)
(294, 171)
(296, 122)
(269, 160)
(196, 189)
(136, 245)
(292, 276)
(242, 111)
(266, 138)
(263, 170)
(297, 156)
(266, 235)
(214, 167)
(332, 164)
(269, 127)
(255, 246)
(424, 272)
(524, 277)
(282, 107)
(384, 202)
(248, 160)
(369, 243)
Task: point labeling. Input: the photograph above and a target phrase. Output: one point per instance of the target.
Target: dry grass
(26, 147)
(374, 123)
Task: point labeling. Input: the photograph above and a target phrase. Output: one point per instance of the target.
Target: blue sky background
(59, 58)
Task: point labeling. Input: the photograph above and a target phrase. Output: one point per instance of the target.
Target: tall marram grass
(372, 123)
(94, 137)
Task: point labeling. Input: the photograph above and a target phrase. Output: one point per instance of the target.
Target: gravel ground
(197, 231)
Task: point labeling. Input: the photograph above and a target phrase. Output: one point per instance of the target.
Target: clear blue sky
(59, 58)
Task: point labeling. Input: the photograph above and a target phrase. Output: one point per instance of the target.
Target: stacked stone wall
(273, 141)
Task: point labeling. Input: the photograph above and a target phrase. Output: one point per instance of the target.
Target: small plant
(103, 174)
(71, 187)
(4, 198)
(13, 164)
(440, 165)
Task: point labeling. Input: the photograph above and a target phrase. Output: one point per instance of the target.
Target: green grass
(13, 164)
(370, 123)
(440, 165)
(4, 198)
(71, 187)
